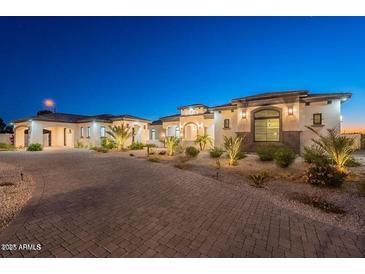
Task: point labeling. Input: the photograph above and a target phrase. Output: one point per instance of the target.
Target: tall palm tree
(338, 148)
(203, 140)
(119, 134)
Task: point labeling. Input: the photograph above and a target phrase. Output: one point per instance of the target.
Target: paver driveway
(100, 205)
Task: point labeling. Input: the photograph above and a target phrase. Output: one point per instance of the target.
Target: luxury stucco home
(275, 117)
(66, 130)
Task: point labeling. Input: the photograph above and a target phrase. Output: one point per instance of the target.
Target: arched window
(267, 125)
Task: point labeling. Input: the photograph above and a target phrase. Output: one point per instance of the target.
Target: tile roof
(76, 118)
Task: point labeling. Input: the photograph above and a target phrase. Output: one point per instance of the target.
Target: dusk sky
(148, 66)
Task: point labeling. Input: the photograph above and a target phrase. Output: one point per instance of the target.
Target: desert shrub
(317, 202)
(162, 152)
(324, 175)
(79, 144)
(352, 162)
(136, 146)
(203, 140)
(149, 147)
(284, 156)
(191, 152)
(119, 134)
(4, 146)
(171, 143)
(266, 152)
(339, 148)
(100, 149)
(258, 180)
(108, 143)
(216, 152)
(316, 155)
(131, 154)
(35, 147)
(233, 149)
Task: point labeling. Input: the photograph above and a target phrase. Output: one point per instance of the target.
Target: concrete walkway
(100, 205)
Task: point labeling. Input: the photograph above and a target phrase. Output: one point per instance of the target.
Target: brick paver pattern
(100, 205)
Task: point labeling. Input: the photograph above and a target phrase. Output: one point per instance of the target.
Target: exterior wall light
(341, 118)
(290, 110)
(243, 115)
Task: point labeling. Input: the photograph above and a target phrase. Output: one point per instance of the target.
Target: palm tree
(171, 143)
(339, 148)
(119, 134)
(233, 148)
(203, 140)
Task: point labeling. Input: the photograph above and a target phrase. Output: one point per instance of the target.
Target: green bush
(191, 151)
(324, 175)
(216, 152)
(267, 152)
(136, 146)
(108, 143)
(100, 149)
(284, 156)
(4, 146)
(315, 155)
(35, 147)
(352, 162)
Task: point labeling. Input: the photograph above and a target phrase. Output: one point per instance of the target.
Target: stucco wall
(331, 118)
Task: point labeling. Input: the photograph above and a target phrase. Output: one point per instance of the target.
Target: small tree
(339, 148)
(233, 148)
(119, 134)
(203, 140)
(171, 143)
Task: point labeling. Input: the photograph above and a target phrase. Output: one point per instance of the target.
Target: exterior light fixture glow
(341, 118)
(243, 115)
(48, 103)
(290, 110)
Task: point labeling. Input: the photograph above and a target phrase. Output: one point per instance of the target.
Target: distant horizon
(148, 66)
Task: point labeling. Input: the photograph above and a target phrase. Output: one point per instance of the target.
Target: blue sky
(147, 66)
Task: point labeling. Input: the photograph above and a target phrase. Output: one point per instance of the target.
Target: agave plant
(171, 144)
(233, 148)
(339, 148)
(203, 140)
(119, 134)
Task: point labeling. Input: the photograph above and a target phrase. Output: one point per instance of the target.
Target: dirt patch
(15, 191)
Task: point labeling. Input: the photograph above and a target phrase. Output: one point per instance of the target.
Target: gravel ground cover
(15, 191)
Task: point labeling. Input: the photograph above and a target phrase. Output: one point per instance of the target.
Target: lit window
(177, 132)
(102, 131)
(317, 119)
(82, 132)
(226, 123)
(153, 134)
(267, 126)
(88, 132)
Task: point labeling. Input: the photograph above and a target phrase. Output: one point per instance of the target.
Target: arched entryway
(21, 136)
(190, 132)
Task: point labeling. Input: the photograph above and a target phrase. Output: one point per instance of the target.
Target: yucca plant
(119, 134)
(233, 148)
(171, 144)
(203, 140)
(339, 148)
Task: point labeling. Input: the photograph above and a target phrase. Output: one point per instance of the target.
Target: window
(317, 119)
(329, 102)
(267, 125)
(226, 123)
(82, 132)
(153, 134)
(177, 132)
(307, 103)
(88, 132)
(102, 131)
